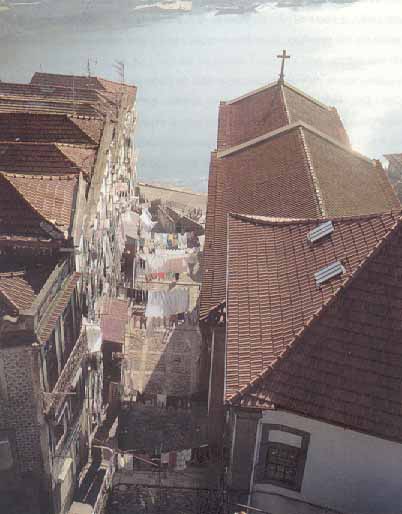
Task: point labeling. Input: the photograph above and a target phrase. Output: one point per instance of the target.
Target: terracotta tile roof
(332, 353)
(44, 92)
(114, 318)
(34, 106)
(71, 81)
(348, 183)
(49, 128)
(28, 201)
(46, 159)
(325, 119)
(251, 117)
(273, 107)
(76, 81)
(56, 99)
(295, 172)
(57, 307)
(19, 287)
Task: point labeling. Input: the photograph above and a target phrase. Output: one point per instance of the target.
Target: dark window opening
(282, 456)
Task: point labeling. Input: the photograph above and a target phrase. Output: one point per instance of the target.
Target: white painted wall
(345, 471)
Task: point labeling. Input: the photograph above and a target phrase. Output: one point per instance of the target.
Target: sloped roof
(28, 201)
(46, 159)
(270, 108)
(34, 106)
(114, 319)
(57, 307)
(49, 128)
(57, 79)
(332, 353)
(96, 83)
(45, 92)
(292, 172)
(19, 287)
(57, 99)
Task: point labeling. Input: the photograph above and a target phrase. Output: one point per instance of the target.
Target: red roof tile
(28, 201)
(56, 99)
(46, 159)
(71, 81)
(114, 318)
(76, 81)
(44, 92)
(49, 128)
(57, 307)
(332, 353)
(19, 288)
(273, 107)
(295, 172)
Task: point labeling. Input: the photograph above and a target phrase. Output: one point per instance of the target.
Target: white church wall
(346, 471)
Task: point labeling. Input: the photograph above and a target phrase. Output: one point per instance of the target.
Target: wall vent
(322, 230)
(333, 270)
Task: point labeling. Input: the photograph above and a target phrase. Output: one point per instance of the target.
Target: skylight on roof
(322, 230)
(333, 270)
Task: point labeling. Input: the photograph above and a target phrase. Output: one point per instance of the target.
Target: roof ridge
(285, 103)
(252, 93)
(314, 178)
(196, 193)
(289, 221)
(308, 97)
(282, 84)
(317, 314)
(259, 139)
(39, 176)
(11, 274)
(274, 133)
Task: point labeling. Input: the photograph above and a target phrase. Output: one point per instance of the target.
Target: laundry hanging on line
(167, 303)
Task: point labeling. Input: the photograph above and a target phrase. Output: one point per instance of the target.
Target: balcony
(55, 399)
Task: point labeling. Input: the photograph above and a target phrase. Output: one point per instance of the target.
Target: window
(282, 455)
(6, 454)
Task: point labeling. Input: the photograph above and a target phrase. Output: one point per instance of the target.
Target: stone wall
(19, 406)
(163, 361)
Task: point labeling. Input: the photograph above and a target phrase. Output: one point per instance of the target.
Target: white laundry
(180, 460)
(167, 303)
(161, 400)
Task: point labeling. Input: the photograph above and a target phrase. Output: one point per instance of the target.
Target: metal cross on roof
(283, 56)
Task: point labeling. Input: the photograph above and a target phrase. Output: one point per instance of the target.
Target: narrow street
(164, 464)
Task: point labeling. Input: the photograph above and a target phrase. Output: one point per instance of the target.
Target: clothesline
(163, 304)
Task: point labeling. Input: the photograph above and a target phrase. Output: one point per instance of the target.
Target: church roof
(272, 107)
(329, 350)
(295, 171)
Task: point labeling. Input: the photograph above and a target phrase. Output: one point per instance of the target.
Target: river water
(346, 54)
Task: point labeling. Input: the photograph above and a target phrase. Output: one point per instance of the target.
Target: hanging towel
(172, 459)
